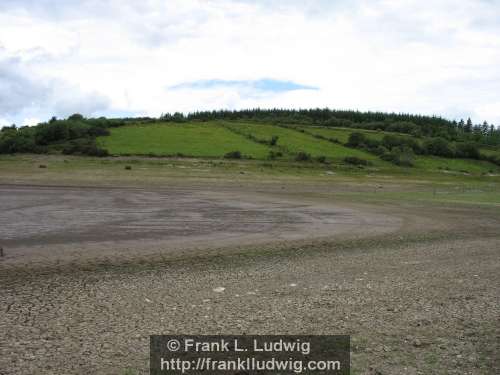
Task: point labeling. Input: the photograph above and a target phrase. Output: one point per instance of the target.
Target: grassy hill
(215, 139)
(373, 142)
(291, 141)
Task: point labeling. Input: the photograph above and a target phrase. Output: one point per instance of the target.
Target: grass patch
(294, 142)
(342, 134)
(457, 166)
(193, 139)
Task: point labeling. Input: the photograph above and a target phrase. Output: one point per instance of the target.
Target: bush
(356, 161)
(467, 150)
(17, 141)
(439, 147)
(274, 140)
(492, 159)
(274, 154)
(371, 144)
(356, 139)
(84, 147)
(391, 141)
(380, 150)
(75, 117)
(402, 156)
(233, 155)
(96, 131)
(320, 159)
(302, 156)
(96, 151)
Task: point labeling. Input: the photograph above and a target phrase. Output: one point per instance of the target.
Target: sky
(144, 58)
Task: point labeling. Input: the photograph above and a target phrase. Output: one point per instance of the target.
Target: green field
(490, 152)
(455, 165)
(215, 139)
(293, 141)
(342, 134)
(198, 140)
(430, 163)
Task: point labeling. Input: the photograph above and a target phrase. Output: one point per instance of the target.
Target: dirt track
(416, 286)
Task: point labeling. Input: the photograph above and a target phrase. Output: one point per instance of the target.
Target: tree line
(415, 125)
(401, 150)
(77, 134)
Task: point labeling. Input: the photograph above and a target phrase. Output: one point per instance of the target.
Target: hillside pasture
(342, 134)
(191, 139)
(457, 166)
(294, 141)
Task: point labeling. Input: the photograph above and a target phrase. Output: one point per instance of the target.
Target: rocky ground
(420, 298)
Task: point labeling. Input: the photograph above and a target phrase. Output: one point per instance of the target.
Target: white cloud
(125, 56)
(31, 121)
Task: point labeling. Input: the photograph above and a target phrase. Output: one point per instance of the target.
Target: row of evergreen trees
(416, 125)
(77, 134)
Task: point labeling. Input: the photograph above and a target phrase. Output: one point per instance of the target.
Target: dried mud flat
(48, 225)
(416, 286)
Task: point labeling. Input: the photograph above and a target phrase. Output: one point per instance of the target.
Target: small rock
(219, 289)
(373, 371)
(419, 343)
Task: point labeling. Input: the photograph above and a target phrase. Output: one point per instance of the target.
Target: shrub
(371, 144)
(354, 160)
(128, 167)
(75, 117)
(390, 141)
(96, 131)
(492, 159)
(467, 150)
(302, 156)
(402, 156)
(356, 139)
(274, 154)
(96, 151)
(274, 140)
(84, 147)
(438, 146)
(380, 150)
(320, 159)
(233, 155)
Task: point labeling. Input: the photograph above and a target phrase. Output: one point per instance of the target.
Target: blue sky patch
(268, 85)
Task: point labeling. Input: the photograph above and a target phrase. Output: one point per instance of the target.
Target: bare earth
(90, 273)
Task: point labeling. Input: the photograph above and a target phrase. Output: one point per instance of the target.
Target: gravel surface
(420, 298)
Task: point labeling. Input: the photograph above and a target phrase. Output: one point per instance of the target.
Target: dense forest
(438, 136)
